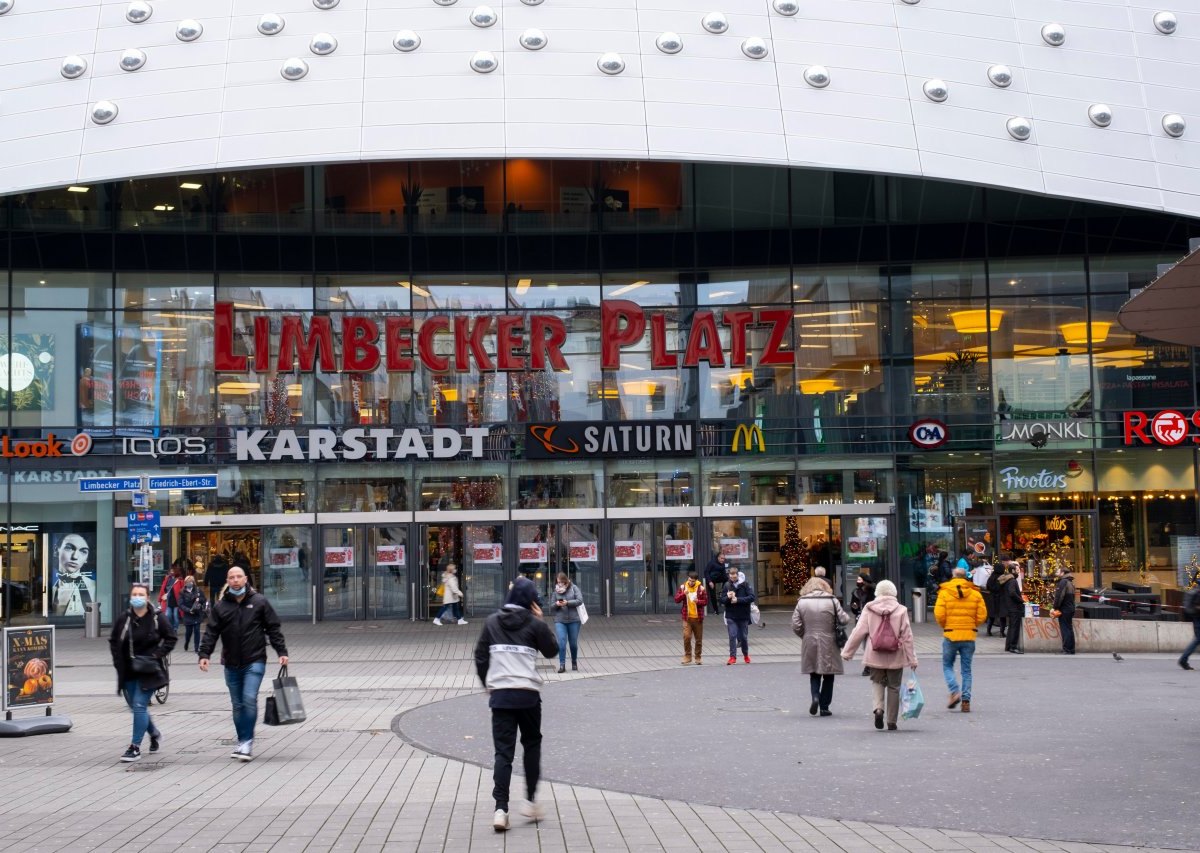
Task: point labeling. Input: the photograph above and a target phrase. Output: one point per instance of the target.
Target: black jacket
(151, 635)
(243, 626)
(861, 596)
(739, 611)
(214, 575)
(1064, 596)
(505, 657)
(192, 603)
(716, 573)
(1009, 603)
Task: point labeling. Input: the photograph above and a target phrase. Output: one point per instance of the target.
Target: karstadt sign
(260, 445)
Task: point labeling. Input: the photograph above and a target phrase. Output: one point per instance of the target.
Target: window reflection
(476, 489)
(631, 484)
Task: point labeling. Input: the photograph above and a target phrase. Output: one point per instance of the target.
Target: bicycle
(163, 692)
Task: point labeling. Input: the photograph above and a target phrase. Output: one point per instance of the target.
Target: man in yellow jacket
(960, 610)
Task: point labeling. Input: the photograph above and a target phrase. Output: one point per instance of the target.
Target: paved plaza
(641, 754)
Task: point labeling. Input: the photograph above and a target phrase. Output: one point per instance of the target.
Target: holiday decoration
(1118, 545)
(278, 411)
(797, 559)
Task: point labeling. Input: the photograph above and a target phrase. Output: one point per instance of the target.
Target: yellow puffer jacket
(960, 609)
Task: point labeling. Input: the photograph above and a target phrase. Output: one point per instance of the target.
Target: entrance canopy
(1169, 309)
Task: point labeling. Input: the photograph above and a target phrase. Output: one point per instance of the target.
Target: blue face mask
(137, 601)
(237, 593)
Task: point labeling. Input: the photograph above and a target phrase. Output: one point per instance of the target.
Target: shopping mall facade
(574, 326)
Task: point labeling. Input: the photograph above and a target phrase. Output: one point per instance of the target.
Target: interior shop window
(823, 199)
(838, 353)
(633, 483)
(374, 197)
(731, 197)
(90, 291)
(1123, 274)
(167, 203)
(377, 492)
(163, 369)
(920, 201)
(550, 292)
(286, 556)
(649, 288)
(951, 364)
(633, 195)
(1043, 276)
(164, 292)
(457, 196)
(78, 207)
(456, 292)
(550, 195)
(1130, 371)
(483, 487)
(557, 485)
(561, 395)
(255, 292)
(762, 395)
(383, 293)
(473, 396)
(274, 398)
(1039, 357)
(838, 284)
(251, 490)
(49, 360)
(265, 200)
(748, 483)
(727, 289)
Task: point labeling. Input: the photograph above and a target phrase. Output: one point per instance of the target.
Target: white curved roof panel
(745, 93)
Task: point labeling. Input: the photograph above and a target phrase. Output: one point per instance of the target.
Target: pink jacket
(906, 655)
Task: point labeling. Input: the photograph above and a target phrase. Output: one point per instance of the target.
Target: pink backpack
(883, 638)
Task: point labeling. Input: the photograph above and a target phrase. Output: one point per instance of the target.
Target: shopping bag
(912, 699)
(583, 614)
(440, 591)
(289, 707)
(755, 615)
(271, 713)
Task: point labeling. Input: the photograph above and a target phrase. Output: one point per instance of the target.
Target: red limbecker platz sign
(520, 341)
(1170, 427)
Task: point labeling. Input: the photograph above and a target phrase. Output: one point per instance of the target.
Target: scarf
(693, 589)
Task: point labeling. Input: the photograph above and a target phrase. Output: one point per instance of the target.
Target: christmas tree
(797, 560)
(1118, 545)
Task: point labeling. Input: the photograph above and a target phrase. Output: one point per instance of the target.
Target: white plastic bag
(755, 616)
(583, 614)
(912, 698)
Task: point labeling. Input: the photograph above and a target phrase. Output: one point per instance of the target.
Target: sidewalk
(344, 781)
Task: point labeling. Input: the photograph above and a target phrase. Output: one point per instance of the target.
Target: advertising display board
(28, 667)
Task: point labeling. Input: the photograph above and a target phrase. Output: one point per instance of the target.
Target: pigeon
(1117, 657)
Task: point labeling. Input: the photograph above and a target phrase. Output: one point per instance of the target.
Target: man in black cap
(506, 661)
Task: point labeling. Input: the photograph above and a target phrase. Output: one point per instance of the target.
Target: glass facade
(798, 323)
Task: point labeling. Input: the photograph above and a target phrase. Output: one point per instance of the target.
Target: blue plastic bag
(912, 698)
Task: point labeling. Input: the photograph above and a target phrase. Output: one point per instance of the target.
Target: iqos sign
(168, 446)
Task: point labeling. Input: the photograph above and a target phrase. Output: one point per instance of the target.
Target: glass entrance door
(477, 552)
(631, 550)
(341, 562)
(674, 557)
(387, 578)
(572, 547)
(864, 548)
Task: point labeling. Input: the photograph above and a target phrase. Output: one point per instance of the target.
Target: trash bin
(91, 620)
(918, 605)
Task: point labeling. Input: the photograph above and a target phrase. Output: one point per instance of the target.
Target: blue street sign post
(183, 481)
(145, 526)
(109, 484)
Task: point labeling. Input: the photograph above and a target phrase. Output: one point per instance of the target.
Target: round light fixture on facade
(816, 76)
(715, 22)
(1054, 35)
(271, 24)
(1174, 124)
(1076, 334)
(669, 43)
(483, 16)
(611, 63)
(484, 61)
(787, 8)
(138, 12)
(189, 30)
(326, 4)
(323, 44)
(73, 67)
(755, 48)
(294, 68)
(1165, 22)
(936, 90)
(104, 112)
(445, 2)
(1100, 115)
(6, 6)
(911, 2)
(1000, 76)
(974, 321)
(406, 41)
(1019, 128)
(532, 2)
(818, 386)
(533, 39)
(132, 59)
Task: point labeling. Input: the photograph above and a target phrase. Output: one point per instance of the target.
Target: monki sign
(519, 341)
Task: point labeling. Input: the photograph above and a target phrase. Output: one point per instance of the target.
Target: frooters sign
(1013, 479)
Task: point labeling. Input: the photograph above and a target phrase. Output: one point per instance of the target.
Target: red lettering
(621, 323)
(225, 361)
(737, 321)
(468, 340)
(1196, 424)
(397, 333)
(659, 357)
(508, 338)
(547, 348)
(703, 341)
(359, 353)
(294, 344)
(1135, 425)
(262, 344)
(781, 320)
(429, 328)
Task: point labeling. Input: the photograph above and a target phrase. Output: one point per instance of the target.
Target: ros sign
(1169, 428)
(928, 434)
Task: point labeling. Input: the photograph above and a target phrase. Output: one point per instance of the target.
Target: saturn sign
(928, 434)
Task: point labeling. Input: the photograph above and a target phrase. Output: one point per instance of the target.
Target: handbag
(440, 591)
(583, 614)
(839, 631)
(140, 664)
(285, 706)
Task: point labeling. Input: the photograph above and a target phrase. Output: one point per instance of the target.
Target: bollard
(918, 605)
(91, 620)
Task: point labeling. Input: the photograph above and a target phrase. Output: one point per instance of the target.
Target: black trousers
(1066, 627)
(505, 724)
(713, 591)
(821, 687)
(1012, 640)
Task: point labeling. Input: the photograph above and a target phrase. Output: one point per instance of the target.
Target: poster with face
(72, 569)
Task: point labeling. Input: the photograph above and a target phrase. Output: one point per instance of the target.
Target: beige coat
(451, 593)
(812, 621)
(872, 615)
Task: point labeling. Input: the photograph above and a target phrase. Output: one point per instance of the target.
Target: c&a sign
(1169, 427)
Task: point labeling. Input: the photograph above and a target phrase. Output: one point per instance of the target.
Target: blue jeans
(172, 615)
(950, 650)
(567, 632)
(1195, 643)
(243, 683)
(455, 609)
(739, 635)
(138, 701)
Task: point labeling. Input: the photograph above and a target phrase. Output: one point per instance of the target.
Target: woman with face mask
(192, 605)
(141, 637)
(567, 599)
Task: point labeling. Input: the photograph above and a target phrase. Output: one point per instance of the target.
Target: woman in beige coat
(812, 621)
(886, 666)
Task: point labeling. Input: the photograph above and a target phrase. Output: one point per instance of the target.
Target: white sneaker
(533, 811)
(462, 621)
(437, 621)
(245, 751)
(500, 820)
